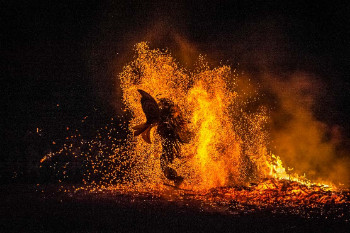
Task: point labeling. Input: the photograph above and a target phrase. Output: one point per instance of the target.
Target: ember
(227, 165)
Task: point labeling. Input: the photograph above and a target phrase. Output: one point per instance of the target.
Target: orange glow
(227, 157)
(222, 149)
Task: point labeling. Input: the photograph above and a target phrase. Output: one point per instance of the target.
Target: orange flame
(228, 145)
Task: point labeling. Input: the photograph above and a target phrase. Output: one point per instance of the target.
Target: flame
(227, 164)
(229, 141)
(229, 145)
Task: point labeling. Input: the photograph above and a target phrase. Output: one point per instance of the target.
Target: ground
(24, 209)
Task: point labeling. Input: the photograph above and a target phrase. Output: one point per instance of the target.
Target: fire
(227, 159)
(228, 147)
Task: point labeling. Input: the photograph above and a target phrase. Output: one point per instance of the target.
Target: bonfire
(227, 166)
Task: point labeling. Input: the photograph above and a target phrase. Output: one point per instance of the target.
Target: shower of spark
(228, 146)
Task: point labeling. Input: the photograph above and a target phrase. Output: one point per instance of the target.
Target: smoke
(290, 83)
(305, 143)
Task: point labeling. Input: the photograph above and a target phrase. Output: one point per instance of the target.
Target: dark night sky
(62, 52)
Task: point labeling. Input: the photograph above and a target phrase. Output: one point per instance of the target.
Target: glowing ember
(227, 159)
(229, 145)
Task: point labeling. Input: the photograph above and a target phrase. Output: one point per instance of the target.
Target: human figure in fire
(172, 128)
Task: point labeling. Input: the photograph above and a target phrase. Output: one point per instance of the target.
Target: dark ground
(23, 209)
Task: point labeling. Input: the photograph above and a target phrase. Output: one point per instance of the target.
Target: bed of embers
(268, 196)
